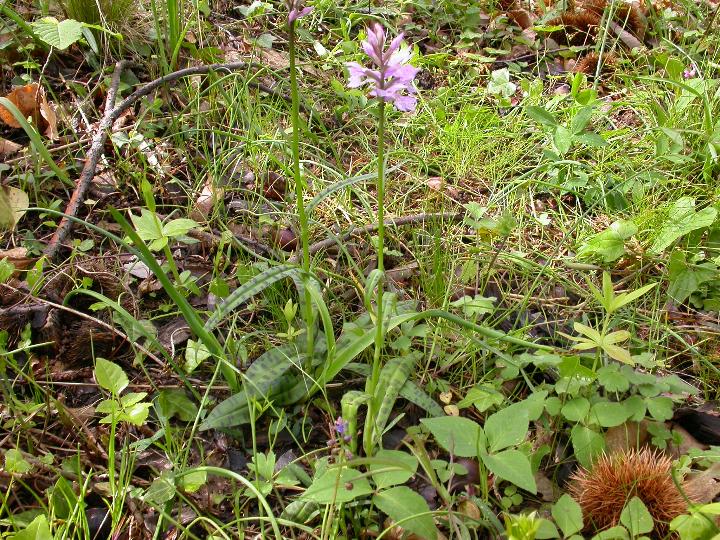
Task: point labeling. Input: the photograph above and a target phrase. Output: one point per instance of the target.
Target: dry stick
(394, 222)
(91, 161)
(111, 115)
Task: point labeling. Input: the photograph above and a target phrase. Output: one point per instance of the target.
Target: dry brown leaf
(18, 257)
(32, 103)
(13, 204)
(7, 148)
(545, 486)
(626, 436)
(206, 201)
(27, 100)
(705, 486)
(687, 442)
(47, 111)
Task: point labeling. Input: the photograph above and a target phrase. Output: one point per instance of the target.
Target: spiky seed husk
(613, 480)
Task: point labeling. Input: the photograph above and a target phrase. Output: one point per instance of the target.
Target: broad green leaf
(613, 533)
(58, 34)
(635, 405)
(587, 444)
(136, 414)
(636, 518)
(694, 526)
(562, 138)
(393, 376)
(610, 413)
(507, 427)
(609, 245)
(15, 463)
(392, 467)
(147, 225)
(459, 436)
(568, 515)
(686, 278)
(582, 119)
(612, 379)
(38, 529)
(576, 409)
(254, 286)
(161, 490)
(533, 405)
(175, 402)
(195, 354)
(402, 503)
(192, 481)
(541, 115)
(337, 486)
(590, 333)
(618, 353)
(660, 408)
(110, 376)
(483, 397)
(513, 466)
(179, 227)
(682, 219)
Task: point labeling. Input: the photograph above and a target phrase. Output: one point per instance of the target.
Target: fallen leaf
(626, 436)
(13, 204)
(705, 486)
(27, 100)
(47, 111)
(32, 103)
(206, 201)
(7, 148)
(18, 257)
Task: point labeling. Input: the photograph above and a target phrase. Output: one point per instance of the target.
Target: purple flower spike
(295, 10)
(393, 74)
(341, 426)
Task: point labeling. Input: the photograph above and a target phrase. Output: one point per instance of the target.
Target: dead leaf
(206, 201)
(27, 100)
(13, 204)
(626, 436)
(32, 103)
(18, 258)
(705, 486)
(687, 442)
(8, 148)
(545, 486)
(47, 111)
(522, 17)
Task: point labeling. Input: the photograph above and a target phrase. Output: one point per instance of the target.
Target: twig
(112, 113)
(88, 172)
(394, 222)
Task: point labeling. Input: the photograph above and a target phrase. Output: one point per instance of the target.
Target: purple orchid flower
(393, 74)
(341, 426)
(690, 72)
(295, 10)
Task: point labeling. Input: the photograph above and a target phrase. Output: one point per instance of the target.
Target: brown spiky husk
(613, 480)
(588, 64)
(579, 27)
(581, 24)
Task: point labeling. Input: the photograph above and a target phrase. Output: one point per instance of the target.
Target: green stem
(369, 433)
(299, 193)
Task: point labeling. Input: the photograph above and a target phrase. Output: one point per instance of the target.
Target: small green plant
(604, 339)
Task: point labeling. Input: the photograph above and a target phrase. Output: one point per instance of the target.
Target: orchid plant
(389, 76)
(296, 10)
